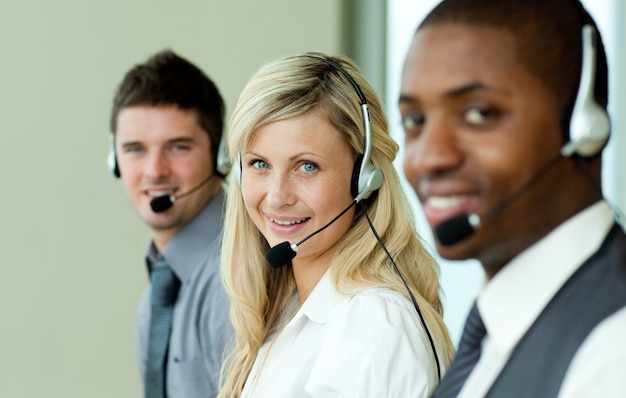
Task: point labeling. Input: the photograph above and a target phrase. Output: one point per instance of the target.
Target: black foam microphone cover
(280, 255)
(454, 230)
(161, 203)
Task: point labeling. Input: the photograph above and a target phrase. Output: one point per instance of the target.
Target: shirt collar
(514, 298)
(187, 250)
(322, 303)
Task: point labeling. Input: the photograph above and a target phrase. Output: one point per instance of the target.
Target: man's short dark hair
(168, 79)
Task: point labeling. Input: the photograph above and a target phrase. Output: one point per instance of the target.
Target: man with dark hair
(167, 122)
(503, 103)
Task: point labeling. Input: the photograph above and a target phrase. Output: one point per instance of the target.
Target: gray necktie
(163, 292)
(466, 357)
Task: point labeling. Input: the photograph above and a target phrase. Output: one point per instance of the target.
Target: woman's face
(295, 179)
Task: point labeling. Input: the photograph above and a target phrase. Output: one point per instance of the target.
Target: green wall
(72, 248)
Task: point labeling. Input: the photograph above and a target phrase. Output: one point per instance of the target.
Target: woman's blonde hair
(260, 296)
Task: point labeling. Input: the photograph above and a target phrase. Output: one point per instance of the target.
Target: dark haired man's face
(163, 150)
(478, 126)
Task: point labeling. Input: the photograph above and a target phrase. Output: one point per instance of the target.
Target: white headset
(589, 125)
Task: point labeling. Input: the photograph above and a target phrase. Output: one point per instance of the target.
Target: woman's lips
(285, 226)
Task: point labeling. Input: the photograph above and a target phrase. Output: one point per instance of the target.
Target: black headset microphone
(462, 226)
(281, 254)
(588, 131)
(164, 202)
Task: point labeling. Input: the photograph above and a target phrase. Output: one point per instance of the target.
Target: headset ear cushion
(237, 170)
(116, 169)
(223, 162)
(590, 125)
(112, 158)
(356, 174)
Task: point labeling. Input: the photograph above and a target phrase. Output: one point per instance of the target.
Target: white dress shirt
(369, 345)
(511, 302)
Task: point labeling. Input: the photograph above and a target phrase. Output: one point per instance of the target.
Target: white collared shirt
(511, 302)
(368, 345)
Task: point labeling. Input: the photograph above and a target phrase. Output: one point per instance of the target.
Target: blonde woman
(340, 313)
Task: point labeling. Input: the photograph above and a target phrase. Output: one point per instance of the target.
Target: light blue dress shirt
(201, 331)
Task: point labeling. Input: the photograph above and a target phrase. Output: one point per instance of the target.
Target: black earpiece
(589, 125)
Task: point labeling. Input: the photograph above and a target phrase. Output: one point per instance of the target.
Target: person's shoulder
(609, 332)
(377, 340)
(605, 342)
(382, 295)
(381, 306)
(599, 366)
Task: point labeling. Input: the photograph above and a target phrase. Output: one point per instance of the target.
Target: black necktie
(466, 357)
(163, 292)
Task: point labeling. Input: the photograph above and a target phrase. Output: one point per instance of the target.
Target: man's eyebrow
(467, 88)
(182, 139)
(452, 93)
(175, 140)
(127, 144)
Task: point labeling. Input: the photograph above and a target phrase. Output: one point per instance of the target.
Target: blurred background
(72, 247)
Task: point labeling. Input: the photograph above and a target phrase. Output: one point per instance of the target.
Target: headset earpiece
(589, 125)
(365, 177)
(112, 157)
(370, 180)
(356, 173)
(237, 170)
(223, 163)
(364, 180)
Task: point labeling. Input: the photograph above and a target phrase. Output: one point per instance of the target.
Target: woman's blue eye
(259, 164)
(309, 167)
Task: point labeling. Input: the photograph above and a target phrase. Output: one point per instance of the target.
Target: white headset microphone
(366, 179)
(588, 133)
